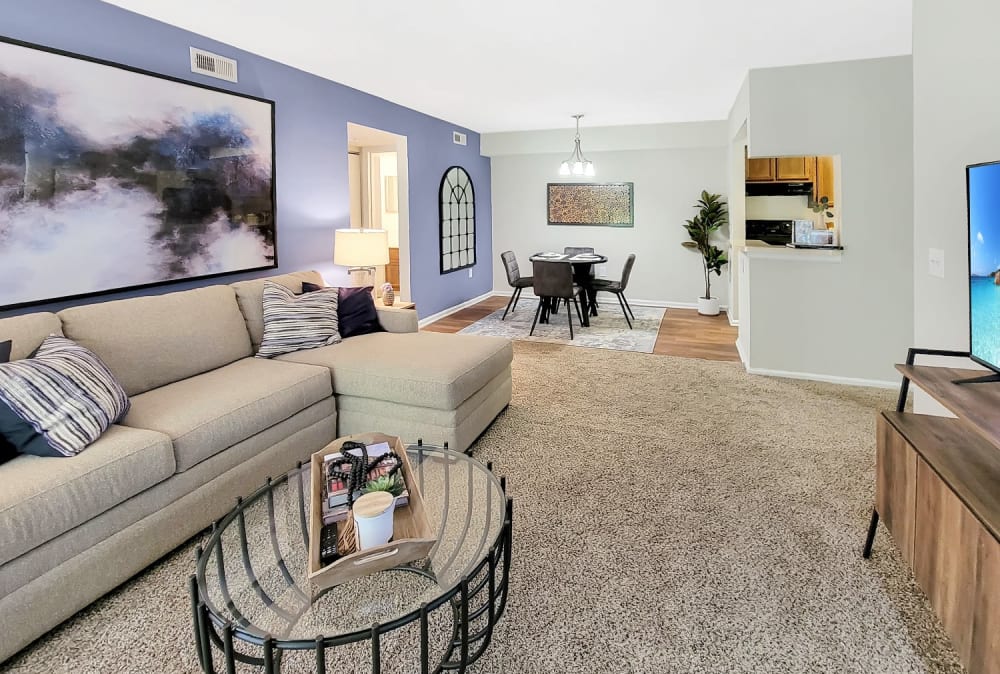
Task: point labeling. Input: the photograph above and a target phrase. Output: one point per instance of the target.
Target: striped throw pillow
(295, 322)
(65, 393)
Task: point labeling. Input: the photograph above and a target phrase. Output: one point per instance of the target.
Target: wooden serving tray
(412, 537)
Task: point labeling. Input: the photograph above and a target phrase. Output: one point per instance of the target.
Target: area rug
(670, 515)
(608, 330)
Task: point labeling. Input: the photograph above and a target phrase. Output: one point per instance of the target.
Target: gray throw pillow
(59, 401)
(296, 322)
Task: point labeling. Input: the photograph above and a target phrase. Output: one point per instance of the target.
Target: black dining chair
(554, 282)
(618, 288)
(514, 278)
(576, 250)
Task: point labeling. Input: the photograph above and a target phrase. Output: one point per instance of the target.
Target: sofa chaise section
(439, 387)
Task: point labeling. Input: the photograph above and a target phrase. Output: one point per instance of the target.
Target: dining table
(582, 265)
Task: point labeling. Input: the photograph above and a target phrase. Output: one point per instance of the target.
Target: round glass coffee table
(252, 601)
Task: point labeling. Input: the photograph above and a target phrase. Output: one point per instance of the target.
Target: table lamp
(361, 250)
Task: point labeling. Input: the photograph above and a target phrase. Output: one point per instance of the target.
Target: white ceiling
(530, 64)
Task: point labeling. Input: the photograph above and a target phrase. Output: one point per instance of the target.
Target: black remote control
(328, 544)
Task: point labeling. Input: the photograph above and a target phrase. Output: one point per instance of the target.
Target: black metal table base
(476, 604)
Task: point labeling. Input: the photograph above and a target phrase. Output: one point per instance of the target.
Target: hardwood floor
(683, 332)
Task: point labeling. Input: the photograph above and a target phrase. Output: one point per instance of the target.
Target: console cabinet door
(956, 563)
(896, 486)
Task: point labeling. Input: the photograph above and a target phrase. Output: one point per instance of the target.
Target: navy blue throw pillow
(7, 451)
(356, 312)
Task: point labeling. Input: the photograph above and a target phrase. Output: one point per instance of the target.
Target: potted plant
(390, 483)
(712, 214)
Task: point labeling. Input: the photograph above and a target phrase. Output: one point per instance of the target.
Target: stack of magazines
(335, 496)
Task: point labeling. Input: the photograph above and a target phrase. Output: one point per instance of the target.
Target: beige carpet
(732, 546)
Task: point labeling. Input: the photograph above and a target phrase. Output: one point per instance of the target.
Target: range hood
(774, 189)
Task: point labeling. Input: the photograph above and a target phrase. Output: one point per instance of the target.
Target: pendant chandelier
(577, 164)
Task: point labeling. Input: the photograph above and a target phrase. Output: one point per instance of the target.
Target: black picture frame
(457, 195)
(271, 193)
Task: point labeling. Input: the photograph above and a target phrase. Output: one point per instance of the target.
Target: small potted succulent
(712, 215)
(390, 483)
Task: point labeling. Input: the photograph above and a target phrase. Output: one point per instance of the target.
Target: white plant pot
(708, 307)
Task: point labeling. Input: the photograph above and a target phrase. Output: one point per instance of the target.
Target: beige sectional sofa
(208, 423)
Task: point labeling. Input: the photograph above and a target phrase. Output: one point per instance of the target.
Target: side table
(398, 304)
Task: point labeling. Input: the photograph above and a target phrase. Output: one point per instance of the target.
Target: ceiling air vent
(458, 138)
(213, 65)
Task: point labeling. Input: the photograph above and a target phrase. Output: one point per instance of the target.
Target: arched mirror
(458, 220)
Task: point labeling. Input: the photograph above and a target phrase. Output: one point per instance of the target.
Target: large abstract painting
(114, 178)
(607, 204)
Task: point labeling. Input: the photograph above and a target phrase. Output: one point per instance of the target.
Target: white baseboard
(829, 378)
(743, 356)
(450, 310)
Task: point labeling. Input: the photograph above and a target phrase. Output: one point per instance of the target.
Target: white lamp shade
(361, 247)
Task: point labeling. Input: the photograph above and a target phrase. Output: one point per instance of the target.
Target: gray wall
(956, 59)
(852, 319)
(669, 165)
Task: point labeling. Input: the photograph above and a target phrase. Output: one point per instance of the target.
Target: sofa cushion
(27, 332)
(294, 322)
(59, 401)
(426, 369)
(250, 296)
(156, 340)
(44, 497)
(206, 414)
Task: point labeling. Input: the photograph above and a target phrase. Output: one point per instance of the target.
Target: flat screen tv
(983, 183)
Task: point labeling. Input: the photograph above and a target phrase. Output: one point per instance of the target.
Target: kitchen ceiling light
(576, 163)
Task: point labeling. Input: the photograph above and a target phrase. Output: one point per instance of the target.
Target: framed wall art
(603, 204)
(458, 220)
(114, 178)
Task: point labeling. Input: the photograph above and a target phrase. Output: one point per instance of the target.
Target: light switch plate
(470, 272)
(935, 262)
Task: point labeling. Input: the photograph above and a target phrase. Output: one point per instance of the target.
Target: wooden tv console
(938, 492)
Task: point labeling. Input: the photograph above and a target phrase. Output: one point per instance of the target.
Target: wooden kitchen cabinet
(823, 183)
(760, 169)
(792, 168)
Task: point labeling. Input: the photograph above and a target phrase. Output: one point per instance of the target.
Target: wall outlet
(470, 272)
(935, 262)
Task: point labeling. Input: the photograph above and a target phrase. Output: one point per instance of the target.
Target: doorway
(377, 173)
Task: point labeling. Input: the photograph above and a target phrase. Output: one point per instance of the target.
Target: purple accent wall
(311, 116)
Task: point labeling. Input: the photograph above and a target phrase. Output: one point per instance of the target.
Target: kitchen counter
(759, 250)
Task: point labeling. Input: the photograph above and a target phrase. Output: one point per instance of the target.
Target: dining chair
(576, 250)
(618, 288)
(554, 282)
(514, 278)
